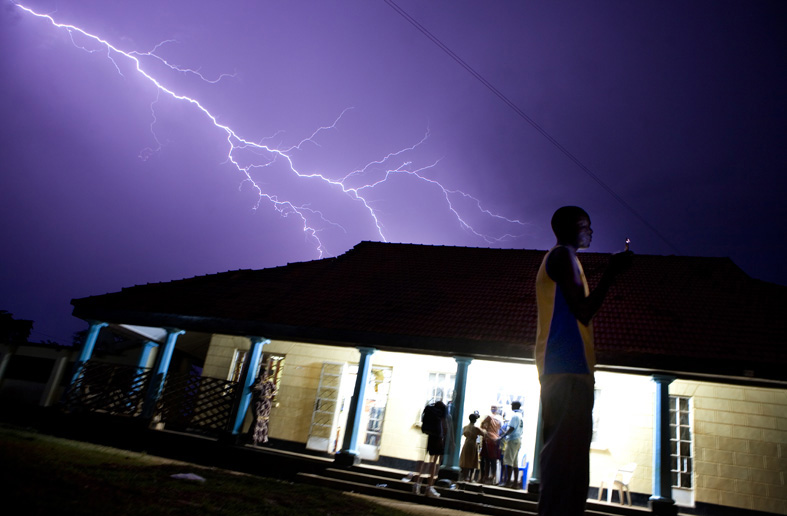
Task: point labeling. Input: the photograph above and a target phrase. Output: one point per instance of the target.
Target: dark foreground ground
(55, 464)
(46, 475)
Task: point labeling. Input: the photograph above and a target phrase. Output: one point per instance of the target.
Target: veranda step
(408, 496)
(487, 495)
(389, 484)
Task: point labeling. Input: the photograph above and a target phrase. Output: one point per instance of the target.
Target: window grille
(441, 387)
(681, 460)
(236, 368)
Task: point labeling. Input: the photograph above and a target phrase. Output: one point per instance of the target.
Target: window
(681, 462)
(236, 368)
(268, 361)
(441, 387)
(274, 364)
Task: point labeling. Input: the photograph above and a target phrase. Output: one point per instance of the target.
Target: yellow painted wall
(740, 445)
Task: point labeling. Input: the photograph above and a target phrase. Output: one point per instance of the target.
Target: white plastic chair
(619, 480)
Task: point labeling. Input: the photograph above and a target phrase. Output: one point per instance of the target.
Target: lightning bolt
(253, 158)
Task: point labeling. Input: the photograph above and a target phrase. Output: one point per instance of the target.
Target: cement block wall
(740, 445)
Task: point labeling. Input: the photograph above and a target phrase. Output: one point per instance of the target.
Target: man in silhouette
(565, 361)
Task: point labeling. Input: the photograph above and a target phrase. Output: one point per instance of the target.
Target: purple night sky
(107, 182)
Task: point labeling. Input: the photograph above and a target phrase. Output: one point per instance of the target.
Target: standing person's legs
(435, 466)
(567, 416)
(510, 458)
(419, 474)
(430, 490)
(504, 470)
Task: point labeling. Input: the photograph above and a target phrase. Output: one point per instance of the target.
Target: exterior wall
(739, 440)
(28, 371)
(740, 443)
(401, 429)
(292, 413)
(219, 358)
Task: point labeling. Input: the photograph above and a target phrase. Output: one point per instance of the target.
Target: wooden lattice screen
(198, 404)
(110, 388)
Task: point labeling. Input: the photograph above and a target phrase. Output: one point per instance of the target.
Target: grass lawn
(45, 475)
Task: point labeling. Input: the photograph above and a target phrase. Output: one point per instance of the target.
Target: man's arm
(508, 431)
(562, 268)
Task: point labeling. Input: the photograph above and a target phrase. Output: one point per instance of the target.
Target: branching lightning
(312, 220)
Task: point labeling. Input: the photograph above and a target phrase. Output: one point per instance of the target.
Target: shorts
(511, 451)
(435, 445)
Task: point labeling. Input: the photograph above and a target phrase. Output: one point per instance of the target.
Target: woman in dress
(262, 395)
(490, 448)
(468, 458)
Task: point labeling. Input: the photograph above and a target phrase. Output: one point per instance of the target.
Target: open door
(329, 419)
(371, 429)
(324, 428)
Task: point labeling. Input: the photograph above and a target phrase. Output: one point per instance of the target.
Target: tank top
(563, 344)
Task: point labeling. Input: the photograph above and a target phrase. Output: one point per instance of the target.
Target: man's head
(515, 405)
(571, 225)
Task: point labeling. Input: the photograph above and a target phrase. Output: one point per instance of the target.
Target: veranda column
(160, 372)
(661, 502)
(247, 378)
(457, 410)
(348, 455)
(49, 395)
(87, 349)
(5, 360)
(534, 484)
(144, 356)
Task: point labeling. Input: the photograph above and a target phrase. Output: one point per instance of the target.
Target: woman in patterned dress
(262, 396)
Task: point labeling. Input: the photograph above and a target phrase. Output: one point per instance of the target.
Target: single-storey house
(691, 389)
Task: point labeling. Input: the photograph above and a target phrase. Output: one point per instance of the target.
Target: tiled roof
(702, 315)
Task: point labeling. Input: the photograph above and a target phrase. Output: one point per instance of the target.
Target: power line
(529, 120)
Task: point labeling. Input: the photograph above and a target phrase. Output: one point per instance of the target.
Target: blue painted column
(144, 356)
(160, 372)
(534, 484)
(348, 455)
(87, 349)
(661, 502)
(247, 379)
(457, 410)
(138, 384)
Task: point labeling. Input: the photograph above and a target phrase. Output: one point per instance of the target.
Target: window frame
(681, 442)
